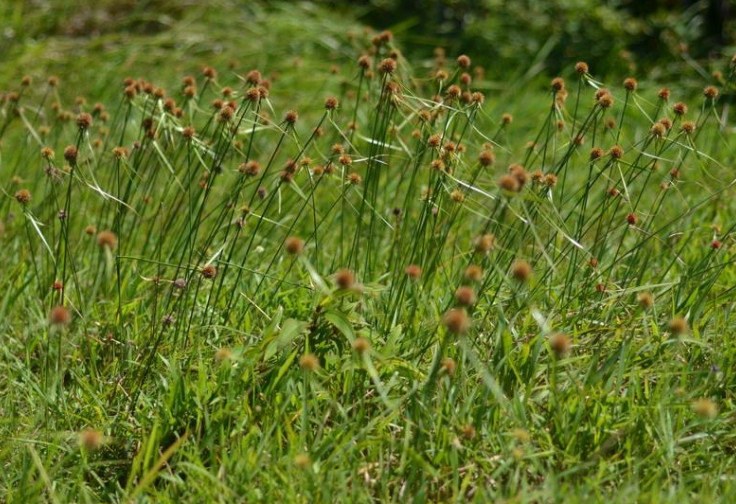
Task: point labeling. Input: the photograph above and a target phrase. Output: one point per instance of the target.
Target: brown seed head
(581, 67)
(679, 109)
(361, 345)
(294, 245)
(291, 117)
(465, 296)
(658, 130)
(705, 408)
(688, 127)
(330, 103)
(70, 154)
(107, 239)
(60, 316)
(521, 271)
(345, 279)
(309, 362)
(558, 84)
(209, 271)
(456, 321)
(632, 219)
(560, 344)
(387, 66)
(630, 84)
(448, 366)
(509, 183)
(463, 61)
(23, 196)
(678, 326)
(473, 273)
(710, 92)
(485, 243)
(617, 152)
(91, 439)
(413, 271)
(646, 300)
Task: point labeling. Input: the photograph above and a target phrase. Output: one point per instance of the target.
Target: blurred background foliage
(618, 35)
(514, 41)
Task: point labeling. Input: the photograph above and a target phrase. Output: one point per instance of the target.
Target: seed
(581, 67)
(463, 61)
(474, 273)
(630, 84)
(387, 66)
(679, 108)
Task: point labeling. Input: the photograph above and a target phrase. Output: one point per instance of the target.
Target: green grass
(330, 374)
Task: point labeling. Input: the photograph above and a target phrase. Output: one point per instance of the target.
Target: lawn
(253, 252)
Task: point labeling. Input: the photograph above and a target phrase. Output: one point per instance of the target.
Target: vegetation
(296, 266)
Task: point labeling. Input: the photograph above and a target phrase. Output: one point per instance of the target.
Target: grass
(439, 304)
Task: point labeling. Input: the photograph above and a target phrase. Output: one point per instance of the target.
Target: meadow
(288, 263)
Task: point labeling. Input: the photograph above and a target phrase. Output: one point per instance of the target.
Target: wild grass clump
(397, 289)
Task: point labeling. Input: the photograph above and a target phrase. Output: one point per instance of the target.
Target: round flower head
(413, 271)
(473, 273)
(84, 120)
(291, 117)
(679, 108)
(209, 271)
(557, 84)
(91, 439)
(678, 326)
(710, 92)
(485, 243)
(70, 154)
(630, 84)
(560, 344)
(521, 271)
(344, 279)
(509, 183)
(581, 67)
(60, 316)
(294, 245)
(309, 362)
(646, 300)
(465, 296)
(361, 345)
(23, 196)
(448, 366)
(705, 408)
(107, 239)
(463, 61)
(456, 321)
(331, 103)
(387, 66)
